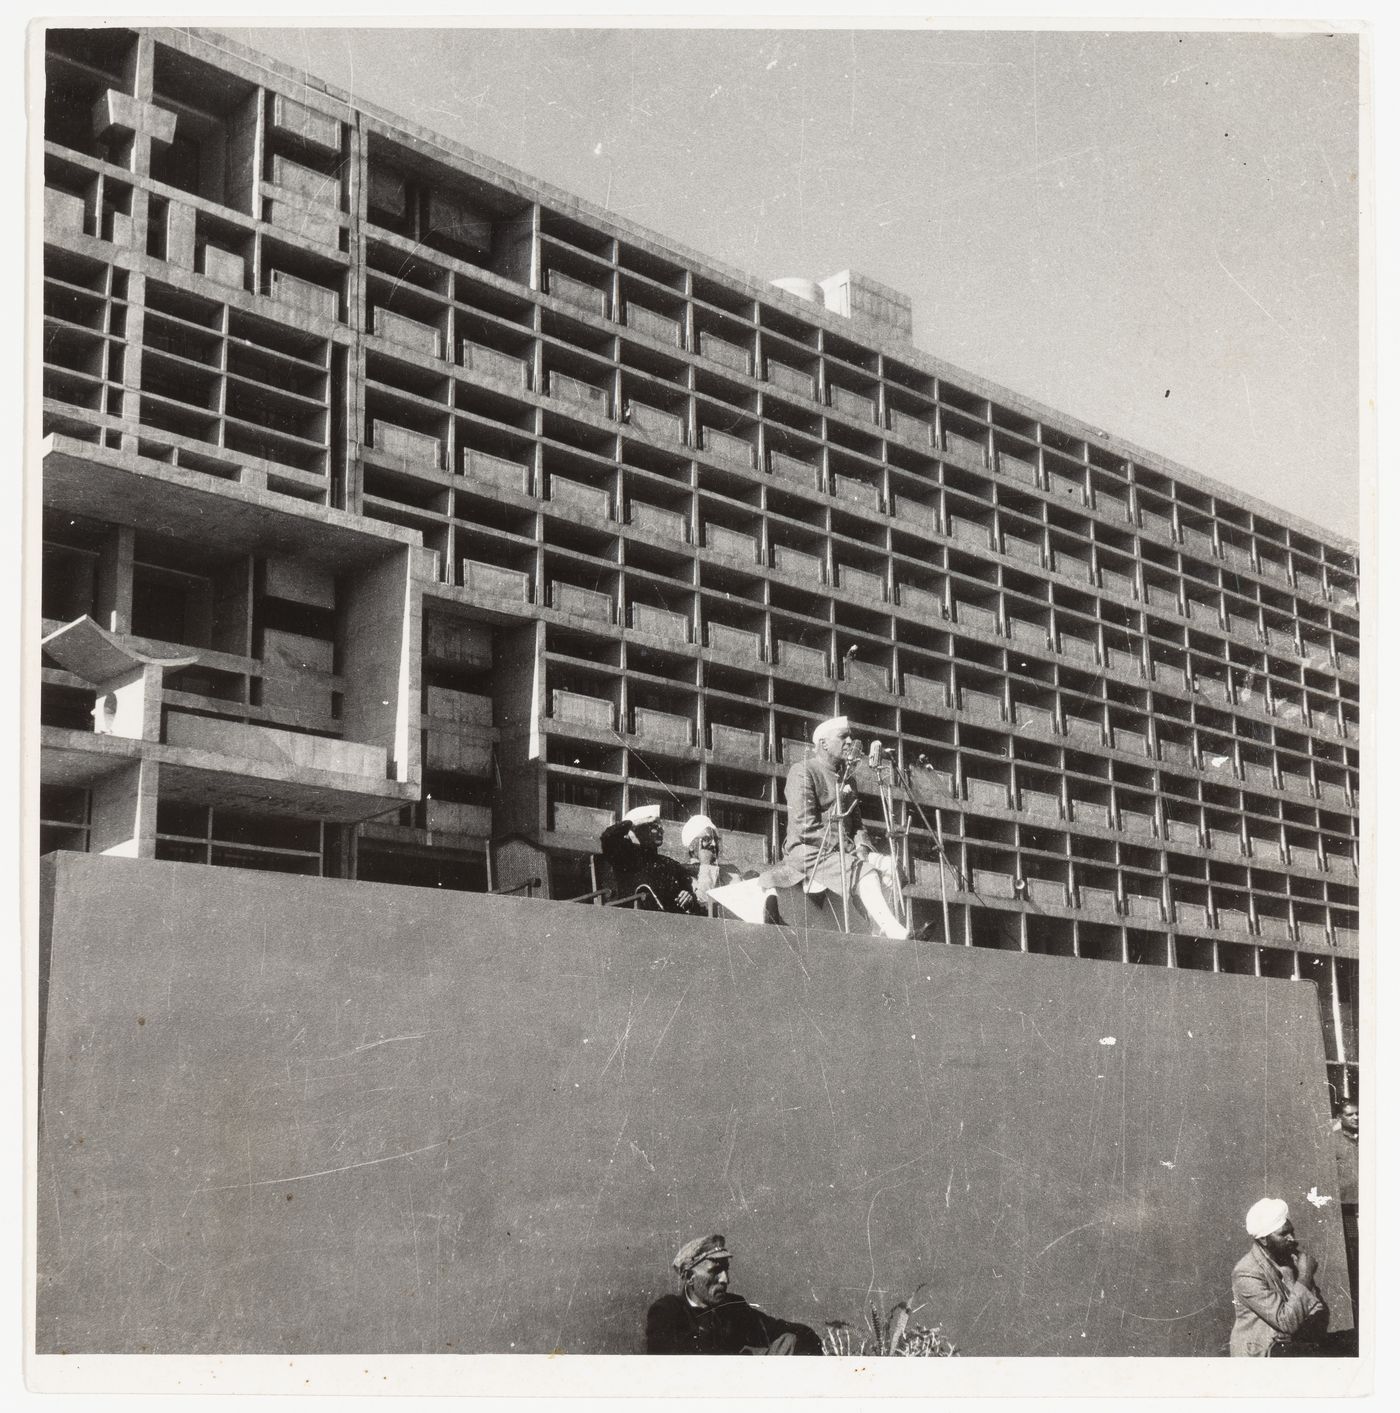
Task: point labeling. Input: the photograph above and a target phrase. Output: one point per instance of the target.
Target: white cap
(695, 826)
(833, 726)
(643, 814)
(1266, 1216)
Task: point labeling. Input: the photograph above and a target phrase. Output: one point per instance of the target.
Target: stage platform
(294, 1116)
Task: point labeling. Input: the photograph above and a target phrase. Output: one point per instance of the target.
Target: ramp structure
(292, 1115)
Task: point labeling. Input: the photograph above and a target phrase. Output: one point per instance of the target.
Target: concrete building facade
(406, 520)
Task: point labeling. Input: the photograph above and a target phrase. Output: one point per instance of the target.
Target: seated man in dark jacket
(632, 849)
(707, 1318)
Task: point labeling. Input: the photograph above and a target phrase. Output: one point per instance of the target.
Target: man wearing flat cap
(632, 848)
(827, 847)
(706, 1317)
(1278, 1309)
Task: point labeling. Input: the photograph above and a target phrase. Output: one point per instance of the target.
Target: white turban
(643, 814)
(695, 826)
(834, 726)
(1266, 1216)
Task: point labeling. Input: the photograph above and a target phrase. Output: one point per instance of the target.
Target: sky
(1153, 232)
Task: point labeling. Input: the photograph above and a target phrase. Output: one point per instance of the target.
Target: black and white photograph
(696, 689)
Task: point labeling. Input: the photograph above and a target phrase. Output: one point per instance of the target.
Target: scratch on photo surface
(1064, 1236)
(811, 1020)
(923, 1088)
(1306, 357)
(852, 121)
(57, 1212)
(952, 1167)
(1039, 1034)
(1330, 176)
(869, 1216)
(656, 1048)
(495, 1314)
(621, 1042)
(592, 1220)
(986, 1306)
(349, 54)
(248, 1159)
(1175, 74)
(413, 1230)
(358, 1049)
(830, 1107)
(728, 955)
(345, 1168)
(156, 1258)
(1016, 1160)
(885, 1172)
(1176, 1152)
(1035, 139)
(789, 936)
(732, 1124)
(1249, 404)
(1165, 1319)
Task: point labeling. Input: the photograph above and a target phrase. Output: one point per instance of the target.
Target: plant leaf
(898, 1323)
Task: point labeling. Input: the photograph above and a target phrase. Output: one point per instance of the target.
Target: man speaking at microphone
(826, 840)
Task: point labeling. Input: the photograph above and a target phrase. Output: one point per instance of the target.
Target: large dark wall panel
(302, 1116)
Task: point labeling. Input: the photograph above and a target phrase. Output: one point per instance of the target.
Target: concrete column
(114, 571)
(1339, 1034)
(124, 811)
(231, 610)
(180, 234)
(380, 630)
(518, 692)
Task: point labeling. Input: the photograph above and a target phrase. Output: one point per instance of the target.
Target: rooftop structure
(428, 518)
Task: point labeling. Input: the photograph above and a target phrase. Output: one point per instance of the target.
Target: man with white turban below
(704, 843)
(826, 842)
(632, 848)
(1278, 1309)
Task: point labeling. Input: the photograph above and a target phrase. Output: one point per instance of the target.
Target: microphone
(876, 757)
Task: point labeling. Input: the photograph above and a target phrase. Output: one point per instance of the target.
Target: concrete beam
(199, 509)
(122, 111)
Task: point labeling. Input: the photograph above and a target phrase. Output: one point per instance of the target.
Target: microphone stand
(845, 867)
(907, 779)
(885, 786)
(848, 768)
